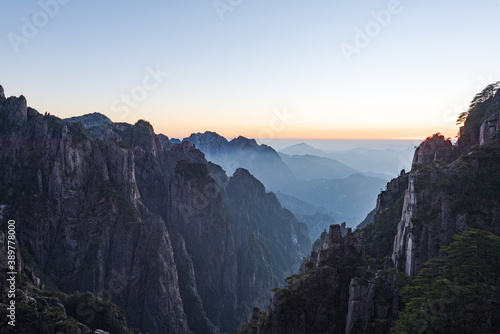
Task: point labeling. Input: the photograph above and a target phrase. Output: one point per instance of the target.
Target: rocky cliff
(79, 213)
(333, 293)
(316, 300)
(378, 235)
(269, 240)
(451, 188)
(116, 209)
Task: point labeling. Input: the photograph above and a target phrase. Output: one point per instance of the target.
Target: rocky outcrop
(410, 251)
(270, 242)
(335, 292)
(431, 149)
(15, 109)
(377, 237)
(33, 312)
(361, 307)
(75, 193)
(316, 300)
(373, 303)
(417, 202)
(448, 193)
(116, 209)
(199, 215)
(80, 217)
(174, 182)
(392, 189)
(210, 143)
(489, 127)
(481, 120)
(89, 120)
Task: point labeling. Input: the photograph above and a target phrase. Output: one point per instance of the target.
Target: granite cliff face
(270, 242)
(114, 208)
(333, 293)
(76, 199)
(378, 235)
(451, 188)
(316, 300)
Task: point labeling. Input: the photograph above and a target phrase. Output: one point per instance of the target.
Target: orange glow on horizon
(365, 134)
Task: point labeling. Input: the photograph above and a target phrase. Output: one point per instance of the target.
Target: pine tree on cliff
(459, 293)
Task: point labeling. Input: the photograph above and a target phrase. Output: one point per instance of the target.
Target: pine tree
(458, 293)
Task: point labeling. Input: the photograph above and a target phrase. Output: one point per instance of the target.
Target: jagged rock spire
(2, 94)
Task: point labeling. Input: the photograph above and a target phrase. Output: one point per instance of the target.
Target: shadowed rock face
(482, 120)
(428, 151)
(14, 108)
(76, 199)
(114, 208)
(489, 127)
(334, 292)
(270, 241)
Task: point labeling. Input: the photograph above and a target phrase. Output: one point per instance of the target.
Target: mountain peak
(89, 120)
(2, 94)
(302, 149)
(241, 141)
(16, 108)
(427, 151)
(301, 145)
(206, 134)
(208, 142)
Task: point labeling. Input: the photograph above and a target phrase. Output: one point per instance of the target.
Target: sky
(262, 69)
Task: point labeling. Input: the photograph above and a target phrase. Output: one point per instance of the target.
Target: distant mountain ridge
(309, 167)
(386, 162)
(336, 186)
(261, 160)
(303, 149)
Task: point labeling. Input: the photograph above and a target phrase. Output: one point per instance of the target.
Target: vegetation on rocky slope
(459, 292)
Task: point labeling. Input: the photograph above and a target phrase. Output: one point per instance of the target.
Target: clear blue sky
(268, 68)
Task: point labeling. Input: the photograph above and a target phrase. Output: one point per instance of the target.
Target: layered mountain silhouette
(382, 162)
(322, 182)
